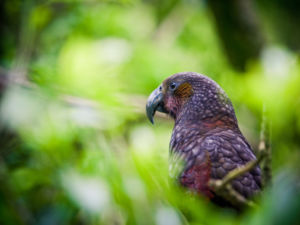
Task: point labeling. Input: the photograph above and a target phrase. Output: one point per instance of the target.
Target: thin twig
(265, 147)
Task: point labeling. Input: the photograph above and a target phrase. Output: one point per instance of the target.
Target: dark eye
(173, 86)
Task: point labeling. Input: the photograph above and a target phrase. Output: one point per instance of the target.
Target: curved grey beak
(155, 102)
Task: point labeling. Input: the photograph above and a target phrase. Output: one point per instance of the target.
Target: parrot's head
(189, 96)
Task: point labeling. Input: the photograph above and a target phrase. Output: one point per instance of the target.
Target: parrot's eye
(173, 86)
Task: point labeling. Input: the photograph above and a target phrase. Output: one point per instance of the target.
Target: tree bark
(238, 30)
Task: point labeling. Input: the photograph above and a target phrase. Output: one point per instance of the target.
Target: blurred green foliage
(76, 147)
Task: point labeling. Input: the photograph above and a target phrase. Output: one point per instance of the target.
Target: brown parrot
(206, 137)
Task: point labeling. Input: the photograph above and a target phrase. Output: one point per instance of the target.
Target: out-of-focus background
(75, 144)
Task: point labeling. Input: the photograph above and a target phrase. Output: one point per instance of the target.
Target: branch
(219, 184)
(223, 186)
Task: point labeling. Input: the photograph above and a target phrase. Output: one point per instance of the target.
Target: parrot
(206, 141)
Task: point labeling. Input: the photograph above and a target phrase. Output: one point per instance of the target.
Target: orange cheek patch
(185, 90)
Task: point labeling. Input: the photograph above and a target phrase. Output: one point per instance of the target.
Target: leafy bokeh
(76, 147)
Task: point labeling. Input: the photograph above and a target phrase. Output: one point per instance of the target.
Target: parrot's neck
(193, 114)
(207, 107)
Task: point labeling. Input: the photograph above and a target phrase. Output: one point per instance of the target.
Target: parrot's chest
(188, 163)
(183, 154)
(191, 171)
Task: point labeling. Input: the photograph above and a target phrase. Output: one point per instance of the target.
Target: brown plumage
(206, 136)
